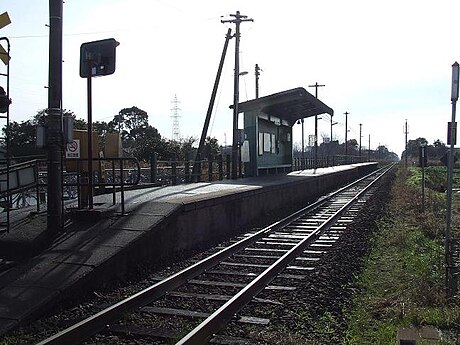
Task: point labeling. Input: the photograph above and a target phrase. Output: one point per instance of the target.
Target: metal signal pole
(237, 21)
(54, 134)
(360, 136)
(451, 285)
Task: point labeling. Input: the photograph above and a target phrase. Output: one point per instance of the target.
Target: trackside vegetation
(403, 281)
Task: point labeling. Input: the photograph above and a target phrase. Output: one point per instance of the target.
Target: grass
(403, 281)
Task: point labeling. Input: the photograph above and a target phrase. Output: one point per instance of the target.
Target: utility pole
(332, 124)
(54, 131)
(258, 69)
(237, 21)
(303, 142)
(405, 147)
(316, 86)
(369, 150)
(346, 136)
(330, 143)
(360, 136)
(196, 165)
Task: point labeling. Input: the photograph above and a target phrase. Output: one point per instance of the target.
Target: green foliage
(434, 152)
(211, 146)
(403, 282)
(139, 139)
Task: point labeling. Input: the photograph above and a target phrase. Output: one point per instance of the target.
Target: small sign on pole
(73, 149)
(455, 76)
(452, 130)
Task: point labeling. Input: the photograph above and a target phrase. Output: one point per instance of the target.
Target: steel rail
(204, 331)
(93, 324)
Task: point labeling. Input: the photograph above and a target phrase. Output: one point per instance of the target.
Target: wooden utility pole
(54, 129)
(196, 166)
(316, 86)
(257, 73)
(369, 150)
(346, 136)
(405, 150)
(237, 21)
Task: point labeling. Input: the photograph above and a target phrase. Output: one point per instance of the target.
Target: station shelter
(268, 121)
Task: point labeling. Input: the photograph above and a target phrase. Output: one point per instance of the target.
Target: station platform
(159, 223)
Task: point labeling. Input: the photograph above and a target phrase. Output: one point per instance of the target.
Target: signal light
(4, 101)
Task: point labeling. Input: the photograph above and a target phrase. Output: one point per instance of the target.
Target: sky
(383, 62)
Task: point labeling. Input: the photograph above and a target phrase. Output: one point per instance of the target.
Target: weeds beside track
(402, 284)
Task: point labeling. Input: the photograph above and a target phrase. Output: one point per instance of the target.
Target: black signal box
(97, 58)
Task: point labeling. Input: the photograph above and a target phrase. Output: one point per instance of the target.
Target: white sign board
(73, 149)
(245, 152)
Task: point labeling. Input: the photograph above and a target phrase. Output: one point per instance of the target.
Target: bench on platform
(274, 169)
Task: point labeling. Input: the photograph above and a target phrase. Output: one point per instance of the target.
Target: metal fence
(112, 175)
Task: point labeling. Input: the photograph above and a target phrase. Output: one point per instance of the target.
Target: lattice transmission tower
(175, 116)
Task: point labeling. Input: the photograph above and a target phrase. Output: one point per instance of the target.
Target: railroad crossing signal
(4, 21)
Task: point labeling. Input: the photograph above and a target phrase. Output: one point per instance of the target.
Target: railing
(23, 177)
(325, 161)
(28, 182)
(110, 172)
(175, 172)
(112, 175)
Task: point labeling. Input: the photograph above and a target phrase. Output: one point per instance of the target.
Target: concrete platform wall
(200, 222)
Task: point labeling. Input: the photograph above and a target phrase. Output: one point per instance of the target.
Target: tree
(80, 124)
(147, 144)
(413, 147)
(22, 139)
(187, 151)
(130, 122)
(436, 151)
(211, 146)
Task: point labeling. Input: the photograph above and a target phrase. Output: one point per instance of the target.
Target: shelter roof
(289, 105)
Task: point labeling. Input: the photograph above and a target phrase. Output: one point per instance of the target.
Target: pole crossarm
(316, 86)
(239, 18)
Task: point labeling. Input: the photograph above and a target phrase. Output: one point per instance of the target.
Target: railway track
(194, 305)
